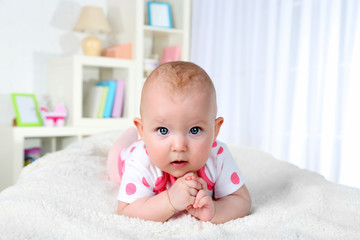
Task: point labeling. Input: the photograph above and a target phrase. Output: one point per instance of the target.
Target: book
(109, 98)
(92, 101)
(117, 110)
(102, 103)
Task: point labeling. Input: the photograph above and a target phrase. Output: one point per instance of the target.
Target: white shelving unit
(13, 140)
(151, 40)
(70, 77)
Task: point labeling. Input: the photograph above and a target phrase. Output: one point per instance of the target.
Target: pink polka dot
(235, 178)
(220, 150)
(130, 189)
(132, 149)
(145, 182)
(214, 144)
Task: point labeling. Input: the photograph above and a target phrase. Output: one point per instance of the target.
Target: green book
(104, 94)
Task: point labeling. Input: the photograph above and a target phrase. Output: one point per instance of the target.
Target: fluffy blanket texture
(66, 195)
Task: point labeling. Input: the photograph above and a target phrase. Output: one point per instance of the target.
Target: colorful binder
(110, 97)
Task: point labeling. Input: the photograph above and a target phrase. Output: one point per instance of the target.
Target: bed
(66, 195)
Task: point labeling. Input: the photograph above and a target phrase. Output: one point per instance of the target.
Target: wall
(32, 32)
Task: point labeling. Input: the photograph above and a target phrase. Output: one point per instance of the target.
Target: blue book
(110, 96)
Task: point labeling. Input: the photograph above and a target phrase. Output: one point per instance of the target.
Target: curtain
(287, 75)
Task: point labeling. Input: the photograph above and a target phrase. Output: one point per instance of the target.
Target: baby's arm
(155, 208)
(235, 205)
(163, 205)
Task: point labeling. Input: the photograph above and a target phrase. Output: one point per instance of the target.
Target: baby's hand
(183, 192)
(203, 207)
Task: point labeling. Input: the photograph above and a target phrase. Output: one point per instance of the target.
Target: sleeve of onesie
(229, 178)
(134, 184)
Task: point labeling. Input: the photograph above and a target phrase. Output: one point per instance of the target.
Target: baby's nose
(179, 144)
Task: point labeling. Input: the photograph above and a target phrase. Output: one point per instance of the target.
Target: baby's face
(178, 131)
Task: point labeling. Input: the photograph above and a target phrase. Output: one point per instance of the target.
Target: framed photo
(159, 14)
(26, 109)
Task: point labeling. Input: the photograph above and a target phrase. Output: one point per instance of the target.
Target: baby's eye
(195, 130)
(163, 130)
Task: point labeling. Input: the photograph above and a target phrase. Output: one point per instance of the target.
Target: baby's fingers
(204, 201)
(192, 200)
(189, 176)
(201, 199)
(194, 184)
(203, 183)
(193, 192)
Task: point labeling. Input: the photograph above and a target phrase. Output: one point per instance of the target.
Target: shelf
(163, 31)
(38, 132)
(104, 61)
(109, 122)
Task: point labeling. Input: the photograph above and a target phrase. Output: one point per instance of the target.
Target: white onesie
(141, 178)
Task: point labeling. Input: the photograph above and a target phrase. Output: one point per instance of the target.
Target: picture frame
(26, 109)
(160, 14)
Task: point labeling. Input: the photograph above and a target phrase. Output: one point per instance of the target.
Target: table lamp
(92, 20)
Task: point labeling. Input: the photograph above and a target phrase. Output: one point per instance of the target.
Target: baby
(177, 165)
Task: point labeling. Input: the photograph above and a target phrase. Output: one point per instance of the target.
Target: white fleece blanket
(66, 195)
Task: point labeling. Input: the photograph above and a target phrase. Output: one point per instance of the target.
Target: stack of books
(105, 99)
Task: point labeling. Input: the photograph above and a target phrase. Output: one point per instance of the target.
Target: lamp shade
(92, 18)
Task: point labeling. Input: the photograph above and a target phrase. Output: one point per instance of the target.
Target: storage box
(118, 51)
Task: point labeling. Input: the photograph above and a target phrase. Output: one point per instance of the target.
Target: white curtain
(287, 74)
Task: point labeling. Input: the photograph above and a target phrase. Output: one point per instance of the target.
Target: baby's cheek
(158, 155)
(202, 153)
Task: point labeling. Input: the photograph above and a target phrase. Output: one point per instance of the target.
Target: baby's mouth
(178, 164)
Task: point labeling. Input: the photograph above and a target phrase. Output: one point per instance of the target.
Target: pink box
(170, 54)
(118, 51)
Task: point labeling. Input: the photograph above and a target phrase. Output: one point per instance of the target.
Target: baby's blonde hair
(180, 78)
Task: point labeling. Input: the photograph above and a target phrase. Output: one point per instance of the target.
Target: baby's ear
(139, 126)
(218, 122)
